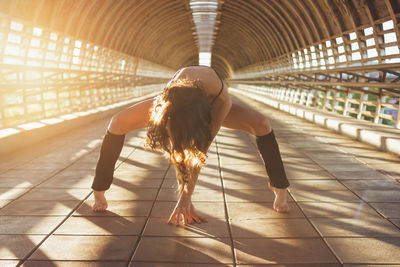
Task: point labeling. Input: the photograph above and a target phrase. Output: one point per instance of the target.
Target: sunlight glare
(31, 125)
(8, 131)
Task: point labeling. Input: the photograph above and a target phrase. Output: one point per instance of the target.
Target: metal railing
(356, 74)
(45, 74)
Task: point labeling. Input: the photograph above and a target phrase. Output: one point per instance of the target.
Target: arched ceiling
(162, 31)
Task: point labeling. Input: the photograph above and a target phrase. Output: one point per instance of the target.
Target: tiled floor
(345, 204)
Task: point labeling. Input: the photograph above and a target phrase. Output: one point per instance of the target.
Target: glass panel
(372, 53)
(370, 42)
(391, 50)
(356, 56)
(353, 36)
(390, 37)
(387, 25)
(368, 31)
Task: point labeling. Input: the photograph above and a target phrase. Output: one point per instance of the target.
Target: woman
(183, 121)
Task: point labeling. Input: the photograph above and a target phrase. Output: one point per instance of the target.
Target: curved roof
(162, 31)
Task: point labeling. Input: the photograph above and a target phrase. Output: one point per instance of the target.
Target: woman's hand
(184, 212)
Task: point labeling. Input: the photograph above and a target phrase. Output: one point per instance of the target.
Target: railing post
(360, 106)
(378, 107)
(346, 103)
(398, 116)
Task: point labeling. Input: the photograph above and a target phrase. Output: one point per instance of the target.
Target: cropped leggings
(112, 146)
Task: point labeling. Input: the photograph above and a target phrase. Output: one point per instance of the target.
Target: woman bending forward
(183, 121)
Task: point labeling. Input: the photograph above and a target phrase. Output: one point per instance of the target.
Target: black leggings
(271, 155)
(112, 146)
(109, 153)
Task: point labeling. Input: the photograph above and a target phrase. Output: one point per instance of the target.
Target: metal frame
(339, 74)
(64, 75)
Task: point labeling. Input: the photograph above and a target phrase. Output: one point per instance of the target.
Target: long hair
(180, 125)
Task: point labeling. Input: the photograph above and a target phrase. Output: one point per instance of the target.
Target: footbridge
(326, 73)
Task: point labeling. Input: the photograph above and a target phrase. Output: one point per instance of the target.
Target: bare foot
(100, 202)
(280, 203)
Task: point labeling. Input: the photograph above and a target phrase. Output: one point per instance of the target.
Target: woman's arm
(184, 211)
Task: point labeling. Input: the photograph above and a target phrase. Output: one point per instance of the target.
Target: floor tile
(231, 159)
(209, 210)
(47, 165)
(337, 210)
(140, 182)
(39, 207)
(293, 174)
(389, 210)
(379, 184)
(120, 193)
(21, 174)
(302, 167)
(56, 194)
(28, 224)
(18, 246)
(84, 182)
(246, 183)
(355, 227)
(166, 264)
(59, 247)
(383, 195)
(329, 162)
(26, 182)
(180, 250)
(272, 228)
(383, 250)
(250, 195)
(337, 167)
(260, 210)
(396, 222)
(391, 169)
(370, 265)
(198, 195)
(312, 185)
(116, 208)
(4, 202)
(12, 193)
(324, 196)
(379, 157)
(202, 183)
(366, 174)
(9, 263)
(212, 228)
(102, 226)
(283, 251)
(243, 168)
(52, 263)
(127, 172)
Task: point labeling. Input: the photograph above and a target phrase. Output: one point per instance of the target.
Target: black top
(220, 91)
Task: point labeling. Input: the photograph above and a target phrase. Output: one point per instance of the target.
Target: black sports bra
(220, 91)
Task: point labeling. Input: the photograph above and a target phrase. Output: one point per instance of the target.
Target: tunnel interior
(58, 55)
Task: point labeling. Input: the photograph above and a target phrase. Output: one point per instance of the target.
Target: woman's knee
(262, 127)
(116, 125)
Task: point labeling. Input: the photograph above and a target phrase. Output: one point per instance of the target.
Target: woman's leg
(134, 117)
(243, 118)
